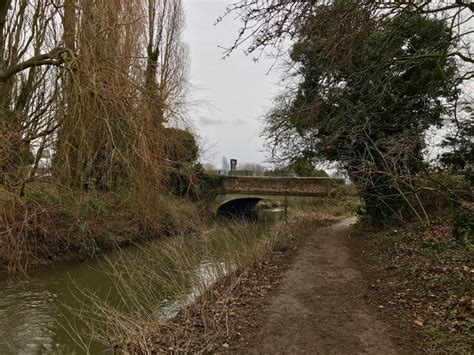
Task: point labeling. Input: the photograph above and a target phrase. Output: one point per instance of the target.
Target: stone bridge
(241, 194)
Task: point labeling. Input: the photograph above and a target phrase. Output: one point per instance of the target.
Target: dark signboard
(233, 165)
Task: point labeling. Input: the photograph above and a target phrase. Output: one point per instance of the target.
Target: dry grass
(168, 277)
(173, 293)
(52, 222)
(341, 202)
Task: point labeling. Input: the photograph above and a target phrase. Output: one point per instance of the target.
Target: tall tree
(94, 81)
(99, 125)
(459, 159)
(167, 60)
(271, 22)
(128, 78)
(367, 95)
(29, 57)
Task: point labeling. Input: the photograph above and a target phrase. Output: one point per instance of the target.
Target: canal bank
(68, 306)
(161, 294)
(51, 223)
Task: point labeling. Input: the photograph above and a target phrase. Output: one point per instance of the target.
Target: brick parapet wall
(249, 184)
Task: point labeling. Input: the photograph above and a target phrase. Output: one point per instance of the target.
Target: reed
(165, 294)
(164, 279)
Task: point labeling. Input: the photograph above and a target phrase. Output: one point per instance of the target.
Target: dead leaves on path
(420, 322)
(427, 278)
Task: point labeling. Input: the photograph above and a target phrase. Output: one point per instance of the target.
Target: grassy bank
(55, 223)
(424, 278)
(187, 293)
(168, 278)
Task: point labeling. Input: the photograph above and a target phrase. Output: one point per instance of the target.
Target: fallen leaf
(419, 322)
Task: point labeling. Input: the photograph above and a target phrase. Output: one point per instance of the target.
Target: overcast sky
(232, 94)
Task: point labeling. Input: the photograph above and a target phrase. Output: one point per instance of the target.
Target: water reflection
(27, 328)
(208, 274)
(34, 314)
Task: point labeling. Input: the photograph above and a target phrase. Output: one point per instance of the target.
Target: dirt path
(320, 305)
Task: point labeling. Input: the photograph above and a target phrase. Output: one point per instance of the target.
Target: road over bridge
(241, 194)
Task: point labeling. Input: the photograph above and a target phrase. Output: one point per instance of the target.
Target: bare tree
(30, 55)
(93, 81)
(128, 78)
(271, 22)
(253, 169)
(99, 122)
(167, 59)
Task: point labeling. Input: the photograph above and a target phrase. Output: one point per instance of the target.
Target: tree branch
(51, 58)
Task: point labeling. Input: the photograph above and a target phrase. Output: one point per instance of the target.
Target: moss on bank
(52, 222)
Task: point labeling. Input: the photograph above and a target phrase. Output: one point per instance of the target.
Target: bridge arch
(241, 207)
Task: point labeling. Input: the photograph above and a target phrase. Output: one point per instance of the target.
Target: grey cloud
(240, 121)
(237, 90)
(211, 122)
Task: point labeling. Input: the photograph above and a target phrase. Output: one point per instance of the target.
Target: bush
(52, 222)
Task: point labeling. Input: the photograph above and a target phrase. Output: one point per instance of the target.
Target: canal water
(35, 313)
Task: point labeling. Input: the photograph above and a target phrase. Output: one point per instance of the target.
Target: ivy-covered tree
(459, 159)
(182, 153)
(368, 92)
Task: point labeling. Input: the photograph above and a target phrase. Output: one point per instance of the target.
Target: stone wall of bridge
(279, 185)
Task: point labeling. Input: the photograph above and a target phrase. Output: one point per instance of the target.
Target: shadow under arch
(245, 207)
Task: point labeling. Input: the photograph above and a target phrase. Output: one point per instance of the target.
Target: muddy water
(35, 315)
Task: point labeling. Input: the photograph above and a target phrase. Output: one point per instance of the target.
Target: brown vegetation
(422, 278)
(55, 223)
(211, 274)
(85, 161)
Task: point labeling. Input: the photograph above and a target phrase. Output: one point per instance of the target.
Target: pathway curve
(320, 305)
